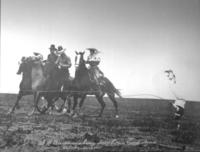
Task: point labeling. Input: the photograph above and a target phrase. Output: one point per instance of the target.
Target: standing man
(179, 103)
(64, 63)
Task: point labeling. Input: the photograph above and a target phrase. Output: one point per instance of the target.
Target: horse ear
(75, 59)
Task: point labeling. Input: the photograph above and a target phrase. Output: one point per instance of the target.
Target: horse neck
(81, 77)
(37, 67)
(81, 71)
(26, 72)
(36, 64)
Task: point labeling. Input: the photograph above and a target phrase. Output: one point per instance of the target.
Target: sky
(137, 40)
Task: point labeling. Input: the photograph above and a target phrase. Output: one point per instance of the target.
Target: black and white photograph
(100, 75)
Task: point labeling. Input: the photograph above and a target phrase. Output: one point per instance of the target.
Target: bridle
(77, 61)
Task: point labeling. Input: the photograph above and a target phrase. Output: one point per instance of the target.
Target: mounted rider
(38, 57)
(52, 57)
(63, 63)
(93, 60)
(50, 67)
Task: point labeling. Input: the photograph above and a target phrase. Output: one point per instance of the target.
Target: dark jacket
(52, 58)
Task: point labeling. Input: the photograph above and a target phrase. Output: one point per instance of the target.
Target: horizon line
(123, 97)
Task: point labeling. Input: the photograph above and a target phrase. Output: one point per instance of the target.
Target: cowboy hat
(52, 47)
(60, 50)
(168, 71)
(94, 50)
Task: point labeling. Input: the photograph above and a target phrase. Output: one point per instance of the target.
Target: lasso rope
(146, 94)
(73, 91)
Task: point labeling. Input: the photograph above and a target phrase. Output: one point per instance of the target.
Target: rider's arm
(93, 61)
(58, 60)
(67, 63)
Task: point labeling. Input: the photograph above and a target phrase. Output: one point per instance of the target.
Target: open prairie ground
(143, 125)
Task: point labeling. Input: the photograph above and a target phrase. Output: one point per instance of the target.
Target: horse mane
(28, 65)
(81, 79)
(81, 69)
(34, 62)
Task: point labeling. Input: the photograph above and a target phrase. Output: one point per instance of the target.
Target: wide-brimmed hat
(23, 59)
(52, 47)
(60, 50)
(168, 71)
(94, 50)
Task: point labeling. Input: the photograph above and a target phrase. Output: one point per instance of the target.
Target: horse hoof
(71, 113)
(81, 114)
(64, 110)
(50, 112)
(17, 107)
(68, 110)
(30, 114)
(57, 108)
(178, 127)
(75, 115)
(9, 112)
(117, 116)
(99, 116)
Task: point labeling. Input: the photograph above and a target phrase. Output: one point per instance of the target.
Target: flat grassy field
(143, 125)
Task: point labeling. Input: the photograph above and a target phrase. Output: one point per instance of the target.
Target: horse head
(79, 59)
(24, 66)
(81, 73)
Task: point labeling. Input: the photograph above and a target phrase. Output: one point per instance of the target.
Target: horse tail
(111, 88)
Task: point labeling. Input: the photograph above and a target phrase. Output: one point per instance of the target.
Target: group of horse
(35, 82)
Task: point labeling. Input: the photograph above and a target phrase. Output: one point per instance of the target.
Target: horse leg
(19, 96)
(102, 103)
(63, 107)
(81, 103)
(69, 104)
(36, 99)
(50, 106)
(74, 105)
(112, 98)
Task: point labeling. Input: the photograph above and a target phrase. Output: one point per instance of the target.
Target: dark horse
(35, 82)
(82, 86)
